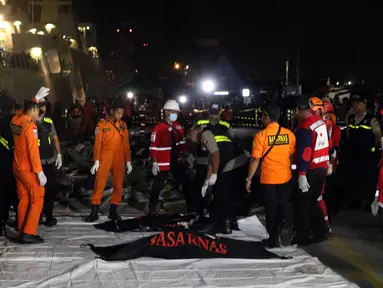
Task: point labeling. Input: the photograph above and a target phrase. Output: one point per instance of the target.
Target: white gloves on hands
(155, 168)
(95, 167)
(213, 178)
(303, 184)
(204, 189)
(329, 170)
(129, 167)
(42, 93)
(59, 161)
(333, 155)
(42, 178)
(375, 207)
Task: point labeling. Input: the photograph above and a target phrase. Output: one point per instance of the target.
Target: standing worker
(111, 154)
(273, 147)
(7, 179)
(312, 152)
(167, 143)
(51, 159)
(363, 140)
(74, 118)
(30, 178)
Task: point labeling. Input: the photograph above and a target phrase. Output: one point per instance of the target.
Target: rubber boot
(226, 227)
(31, 239)
(2, 228)
(93, 216)
(113, 215)
(50, 221)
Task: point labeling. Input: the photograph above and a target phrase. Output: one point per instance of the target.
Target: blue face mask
(173, 117)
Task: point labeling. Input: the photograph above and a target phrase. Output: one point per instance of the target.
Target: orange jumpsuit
(112, 149)
(26, 165)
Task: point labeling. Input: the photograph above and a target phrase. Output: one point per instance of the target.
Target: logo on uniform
(283, 139)
(16, 129)
(106, 129)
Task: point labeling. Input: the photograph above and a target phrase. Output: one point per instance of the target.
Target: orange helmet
(316, 104)
(327, 107)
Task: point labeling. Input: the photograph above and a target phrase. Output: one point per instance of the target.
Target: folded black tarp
(146, 223)
(184, 244)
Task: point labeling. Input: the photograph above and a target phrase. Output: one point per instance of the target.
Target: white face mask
(173, 117)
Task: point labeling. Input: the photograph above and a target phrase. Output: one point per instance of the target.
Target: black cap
(361, 99)
(273, 111)
(28, 104)
(214, 108)
(355, 97)
(302, 101)
(118, 105)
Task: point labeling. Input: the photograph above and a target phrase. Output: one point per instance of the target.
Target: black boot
(113, 215)
(226, 227)
(50, 221)
(93, 216)
(31, 239)
(2, 229)
(209, 229)
(234, 224)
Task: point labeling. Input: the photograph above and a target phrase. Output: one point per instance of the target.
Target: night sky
(340, 39)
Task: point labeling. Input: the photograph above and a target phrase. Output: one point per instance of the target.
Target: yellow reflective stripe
(38, 142)
(48, 120)
(373, 149)
(49, 140)
(222, 139)
(202, 122)
(360, 126)
(4, 142)
(224, 123)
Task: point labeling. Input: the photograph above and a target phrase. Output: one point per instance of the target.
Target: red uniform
(380, 186)
(161, 143)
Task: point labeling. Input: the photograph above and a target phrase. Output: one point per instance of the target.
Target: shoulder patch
(16, 129)
(106, 129)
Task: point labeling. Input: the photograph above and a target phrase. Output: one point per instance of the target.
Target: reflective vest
(320, 142)
(44, 130)
(361, 139)
(161, 143)
(228, 150)
(220, 134)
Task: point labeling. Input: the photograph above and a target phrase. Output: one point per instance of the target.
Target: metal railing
(19, 60)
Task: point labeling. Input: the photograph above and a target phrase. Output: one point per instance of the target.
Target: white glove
(95, 167)
(204, 189)
(333, 155)
(42, 93)
(155, 168)
(42, 178)
(329, 170)
(213, 178)
(247, 154)
(375, 207)
(303, 184)
(129, 167)
(59, 161)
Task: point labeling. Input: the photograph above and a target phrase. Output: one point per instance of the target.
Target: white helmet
(172, 105)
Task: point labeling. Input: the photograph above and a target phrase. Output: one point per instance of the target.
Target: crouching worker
(30, 178)
(225, 159)
(111, 153)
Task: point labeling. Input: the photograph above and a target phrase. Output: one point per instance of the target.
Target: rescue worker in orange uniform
(111, 153)
(30, 178)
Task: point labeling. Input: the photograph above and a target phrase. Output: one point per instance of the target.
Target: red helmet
(327, 107)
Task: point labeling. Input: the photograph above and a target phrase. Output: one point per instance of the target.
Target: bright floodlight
(208, 86)
(130, 95)
(183, 99)
(245, 92)
(349, 82)
(221, 93)
(337, 83)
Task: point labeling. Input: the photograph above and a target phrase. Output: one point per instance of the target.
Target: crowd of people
(314, 167)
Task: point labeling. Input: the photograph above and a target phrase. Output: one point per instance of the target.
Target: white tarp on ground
(61, 262)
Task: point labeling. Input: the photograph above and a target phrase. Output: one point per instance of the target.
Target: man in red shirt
(312, 152)
(167, 143)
